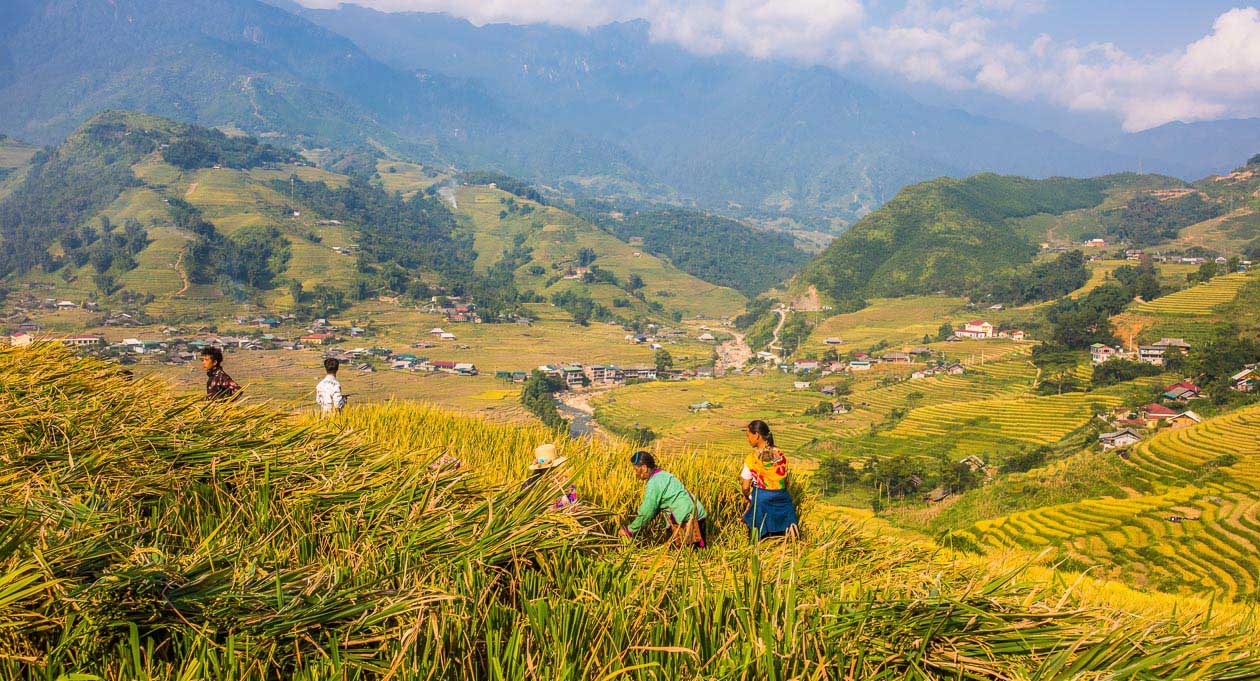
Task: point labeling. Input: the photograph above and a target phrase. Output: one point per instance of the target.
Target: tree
(636, 282)
(1206, 271)
(664, 361)
(946, 330)
(835, 472)
(586, 256)
(295, 291)
(105, 283)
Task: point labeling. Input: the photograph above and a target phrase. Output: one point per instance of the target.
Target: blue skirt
(771, 512)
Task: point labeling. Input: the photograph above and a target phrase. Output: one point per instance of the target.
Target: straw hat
(545, 457)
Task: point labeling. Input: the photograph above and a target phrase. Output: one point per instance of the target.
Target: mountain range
(606, 112)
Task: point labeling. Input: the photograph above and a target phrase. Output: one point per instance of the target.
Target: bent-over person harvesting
(686, 515)
(219, 386)
(770, 511)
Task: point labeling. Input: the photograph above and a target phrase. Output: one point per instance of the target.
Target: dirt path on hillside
(191, 188)
(183, 274)
(733, 354)
(774, 342)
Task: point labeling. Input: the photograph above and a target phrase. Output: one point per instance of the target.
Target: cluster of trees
(253, 256)
(1117, 371)
(64, 188)
(716, 249)
(203, 148)
(537, 395)
(898, 475)
(511, 207)
(1145, 220)
(1081, 322)
(401, 240)
(110, 252)
(1035, 283)
(507, 183)
(581, 307)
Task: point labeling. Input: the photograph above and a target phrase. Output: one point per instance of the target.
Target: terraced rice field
(1196, 300)
(1180, 456)
(1034, 420)
(940, 390)
(1207, 477)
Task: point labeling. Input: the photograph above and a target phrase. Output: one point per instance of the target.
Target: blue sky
(1142, 64)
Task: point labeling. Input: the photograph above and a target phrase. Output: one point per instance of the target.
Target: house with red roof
(1154, 413)
(1183, 391)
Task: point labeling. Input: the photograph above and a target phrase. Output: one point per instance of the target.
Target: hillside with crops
(177, 222)
(234, 541)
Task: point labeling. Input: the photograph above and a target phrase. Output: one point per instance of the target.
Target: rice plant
(151, 536)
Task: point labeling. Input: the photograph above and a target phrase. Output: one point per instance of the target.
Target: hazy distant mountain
(216, 62)
(775, 138)
(1191, 150)
(605, 112)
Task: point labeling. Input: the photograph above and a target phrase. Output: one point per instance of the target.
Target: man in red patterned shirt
(219, 386)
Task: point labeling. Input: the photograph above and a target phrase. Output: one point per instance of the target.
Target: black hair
(331, 364)
(641, 458)
(761, 428)
(213, 353)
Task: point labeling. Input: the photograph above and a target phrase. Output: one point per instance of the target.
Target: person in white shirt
(328, 393)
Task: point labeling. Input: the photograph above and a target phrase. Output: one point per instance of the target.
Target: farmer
(770, 512)
(219, 386)
(546, 459)
(686, 516)
(328, 392)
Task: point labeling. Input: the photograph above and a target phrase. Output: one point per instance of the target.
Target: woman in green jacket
(666, 493)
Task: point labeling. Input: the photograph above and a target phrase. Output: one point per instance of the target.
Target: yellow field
(1036, 420)
(895, 320)
(407, 178)
(1196, 300)
(663, 407)
(1206, 475)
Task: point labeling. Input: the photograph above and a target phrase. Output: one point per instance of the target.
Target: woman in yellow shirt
(770, 512)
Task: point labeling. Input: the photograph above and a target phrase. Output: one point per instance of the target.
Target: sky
(1145, 63)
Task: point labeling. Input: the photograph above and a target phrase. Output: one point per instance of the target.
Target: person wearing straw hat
(687, 517)
(546, 458)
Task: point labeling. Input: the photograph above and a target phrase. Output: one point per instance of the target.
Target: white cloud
(957, 44)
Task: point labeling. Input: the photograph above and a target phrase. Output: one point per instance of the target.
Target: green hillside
(943, 235)
(186, 222)
(713, 248)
